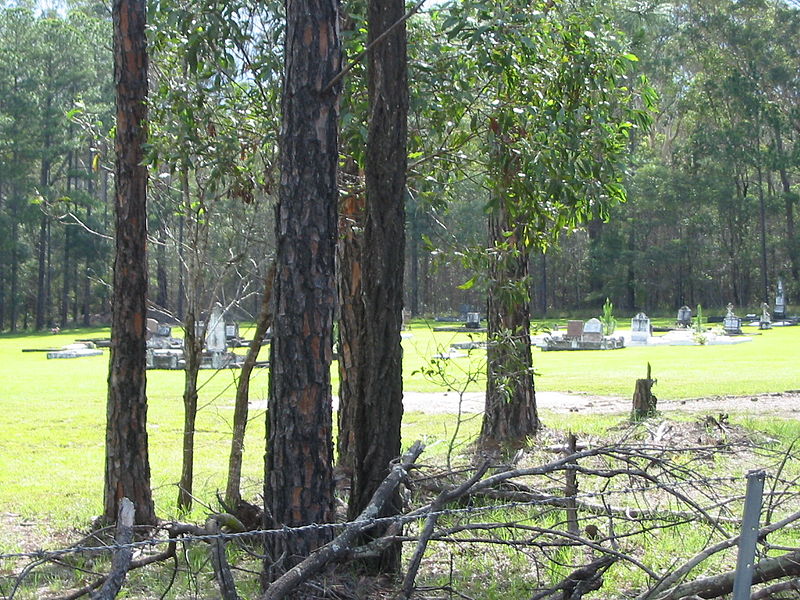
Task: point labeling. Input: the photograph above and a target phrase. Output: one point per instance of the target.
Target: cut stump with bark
(644, 401)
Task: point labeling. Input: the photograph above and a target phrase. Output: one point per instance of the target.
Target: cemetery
(589, 393)
(166, 352)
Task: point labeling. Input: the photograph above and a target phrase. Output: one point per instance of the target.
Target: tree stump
(644, 401)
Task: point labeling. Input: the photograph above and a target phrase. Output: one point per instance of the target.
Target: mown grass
(766, 364)
(52, 420)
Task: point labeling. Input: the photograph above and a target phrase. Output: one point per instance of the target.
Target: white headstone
(780, 301)
(215, 336)
(593, 326)
(640, 328)
(592, 330)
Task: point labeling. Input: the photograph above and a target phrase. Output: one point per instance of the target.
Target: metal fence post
(745, 560)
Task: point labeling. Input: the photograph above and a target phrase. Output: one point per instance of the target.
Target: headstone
(780, 302)
(574, 329)
(215, 336)
(765, 322)
(684, 316)
(473, 320)
(151, 328)
(731, 324)
(77, 350)
(640, 328)
(231, 331)
(592, 331)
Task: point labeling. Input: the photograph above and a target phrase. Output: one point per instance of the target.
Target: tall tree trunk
(789, 201)
(179, 309)
(66, 271)
(373, 422)
(233, 494)
(630, 275)
(414, 234)
(510, 415)
(86, 309)
(298, 482)
(14, 287)
(543, 306)
(3, 267)
(762, 225)
(127, 469)
(349, 277)
(161, 272)
(86, 279)
(48, 276)
(41, 292)
(74, 278)
(192, 354)
(594, 228)
(106, 297)
(66, 266)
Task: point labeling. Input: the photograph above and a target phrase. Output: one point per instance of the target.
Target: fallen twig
(443, 498)
(122, 555)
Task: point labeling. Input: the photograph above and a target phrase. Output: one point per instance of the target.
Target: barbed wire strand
(403, 519)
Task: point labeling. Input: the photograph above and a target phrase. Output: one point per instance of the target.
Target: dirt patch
(782, 404)
(19, 534)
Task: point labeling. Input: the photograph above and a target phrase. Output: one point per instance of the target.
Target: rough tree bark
(127, 467)
(644, 402)
(374, 392)
(298, 486)
(351, 314)
(510, 415)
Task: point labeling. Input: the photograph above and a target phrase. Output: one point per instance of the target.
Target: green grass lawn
(770, 363)
(52, 412)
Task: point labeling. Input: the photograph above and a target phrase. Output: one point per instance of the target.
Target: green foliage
(608, 320)
(699, 327)
(560, 108)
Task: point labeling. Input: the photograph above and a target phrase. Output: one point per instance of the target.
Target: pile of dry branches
(567, 525)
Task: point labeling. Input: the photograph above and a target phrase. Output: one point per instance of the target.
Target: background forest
(711, 186)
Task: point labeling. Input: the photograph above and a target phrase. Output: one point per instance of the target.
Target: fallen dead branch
(679, 573)
(772, 591)
(341, 545)
(175, 531)
(768, 569)
(622, 494)
(443, 498)
(523, 493)
(121, 561)
(581, 581)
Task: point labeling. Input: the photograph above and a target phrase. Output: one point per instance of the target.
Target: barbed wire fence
(659, 493)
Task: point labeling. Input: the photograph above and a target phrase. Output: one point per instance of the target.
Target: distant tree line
(711, 188)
